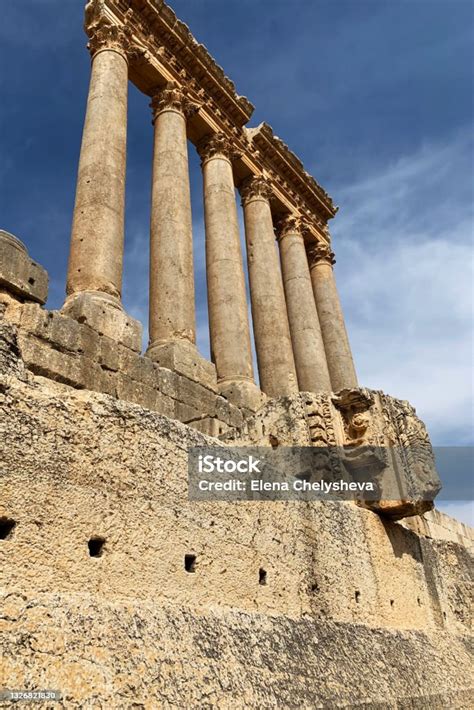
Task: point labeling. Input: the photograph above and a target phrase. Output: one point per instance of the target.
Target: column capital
(104, 34)
(216, 144)
(173, 97)
(289, 224)
(320, 253)
(255, 188)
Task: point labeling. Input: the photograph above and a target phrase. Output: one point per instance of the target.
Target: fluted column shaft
(306, 337)
(336, 342)
(227, 302)
(96, 255)
(172, 303)
(270, 321)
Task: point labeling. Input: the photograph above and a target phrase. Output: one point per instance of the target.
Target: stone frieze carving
(360, 433)
(384, 434)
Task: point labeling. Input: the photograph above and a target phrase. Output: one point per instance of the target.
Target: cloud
(403, 242)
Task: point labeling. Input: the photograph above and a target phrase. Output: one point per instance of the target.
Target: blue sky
(375, 96)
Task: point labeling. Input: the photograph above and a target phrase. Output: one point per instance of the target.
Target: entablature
(171, 53)
(163, 54)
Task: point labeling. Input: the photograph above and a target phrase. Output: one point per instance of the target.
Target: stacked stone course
(118, 590)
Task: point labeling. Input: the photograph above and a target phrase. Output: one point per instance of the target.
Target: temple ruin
(119, 591)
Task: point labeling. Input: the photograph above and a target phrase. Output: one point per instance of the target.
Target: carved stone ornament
(173, 97)
(216, 144)
(320, 253)
(104, 34)
(289, 224)
(255, 188)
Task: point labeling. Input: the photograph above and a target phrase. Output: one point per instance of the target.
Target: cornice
(288, 170)
(170, 43)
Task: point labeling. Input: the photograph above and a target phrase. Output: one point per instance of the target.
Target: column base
(243, 393)
(105, 314)
(183, 357)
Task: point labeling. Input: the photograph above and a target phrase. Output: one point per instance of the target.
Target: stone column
(228, 312)
(336, 343)
(308, 346)
(94, 280)
(276, 364)
(172, 298)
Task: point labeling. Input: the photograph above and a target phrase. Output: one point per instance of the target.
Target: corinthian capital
(216, 144)
(320, 253)
(103, 33)
(289, 224)
(255, 188)
(173, 97)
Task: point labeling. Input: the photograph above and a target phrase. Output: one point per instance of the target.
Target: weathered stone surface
(97, 238)
(358, 428)
(345, 592)
(228, 313)
(308, 605)
(105, 316)
(183, 357)
(306, 337)
(440, 526)
(276, 364)
(336, 342)
(58, 347)
(18, 272)
(148, 397)
(378, 426)
(172, 309)
(112, 655)
(243, 394)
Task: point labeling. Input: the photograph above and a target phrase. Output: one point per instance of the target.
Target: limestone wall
(175, 593)
(62, 349)
(81, 465)
(440, 526)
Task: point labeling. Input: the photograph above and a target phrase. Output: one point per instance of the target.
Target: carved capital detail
(289, 224)
(216, 144)
(320, 253)
(173, 97)
(104, 34)
(255, 188)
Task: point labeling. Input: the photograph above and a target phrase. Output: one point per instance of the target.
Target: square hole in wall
(7, 525)
(190, 563)
(262, 576)
(96, 546)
